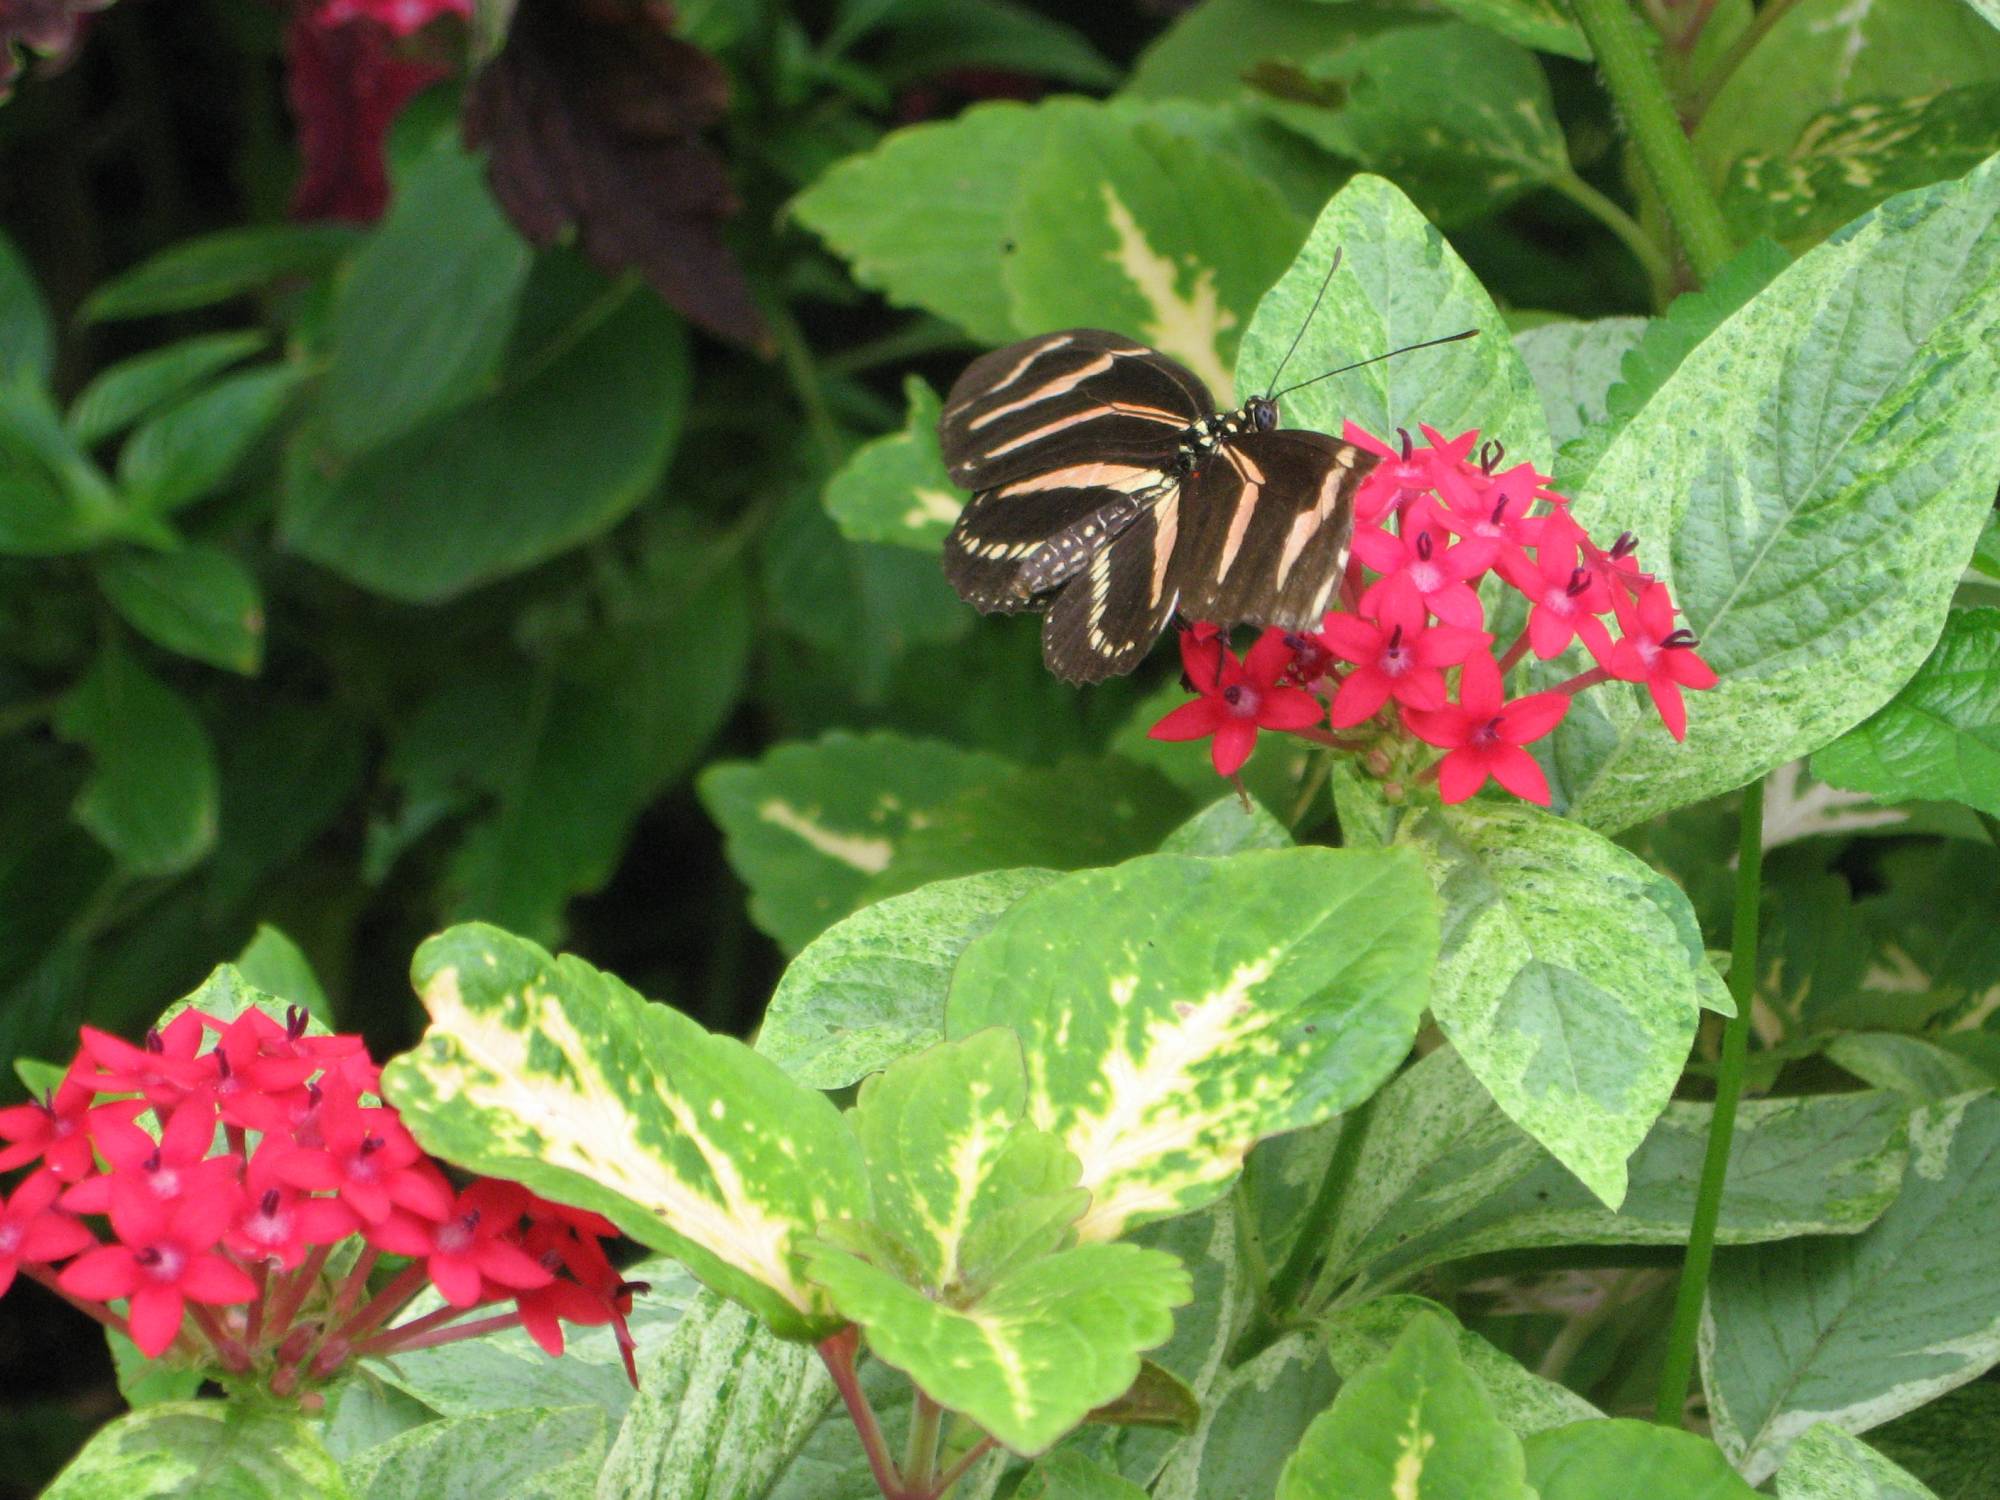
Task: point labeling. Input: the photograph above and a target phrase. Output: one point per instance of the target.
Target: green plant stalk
(1649, 255)
(1624, 55)
(1282, 1295)
(1679, 1366)
(921, 1452)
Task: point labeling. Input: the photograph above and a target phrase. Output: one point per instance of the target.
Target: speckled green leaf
(1828, 1464)
(198, 601)
(1570, 978)
(963, 1187)
(1908, 1065)
(1849, 158)
(895, 489)
(1860, 1329)
(923, 218)
(1574, 366)
(151, 798)
(1226, 826)
(1071, 1476)
(1037, 1351)
(1593, 1460)
(203, 1450)
(1399, 282)
(1123, 224)
(1460, 119)
(128, 390)
(523, 1455)
(1251, 1422)
(1810, 481)
(1413, 1426)
(1162, 1043)
(1545, 25)
(871, 988)
(1939, 737)
(809, 825)
(724, 1408)
(275, 964)
(1952, 1444)
(1442, 1175)
(554, 1074)
(1356, 1337)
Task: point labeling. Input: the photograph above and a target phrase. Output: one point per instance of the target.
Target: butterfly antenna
(1450, 338)
(1325, 282)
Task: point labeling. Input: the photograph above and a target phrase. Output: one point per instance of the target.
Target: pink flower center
(1243, 700)
(1427, 576)
(1559, 601)
(1486, 734)
(165, 1263)
(10, 1240)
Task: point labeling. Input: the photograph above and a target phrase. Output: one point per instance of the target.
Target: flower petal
(1518, 771)
(1532, 717)
(155, 1318)
(1460, 774)
(1362, 694)
(1234, 740)
(1289, 708)
(1193, 720)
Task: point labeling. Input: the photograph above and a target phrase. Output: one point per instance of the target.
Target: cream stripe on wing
(1166, 531)
(1239, 523)
(1126, 477)
(1306, 525)
(1062, 423)
(1056, 387)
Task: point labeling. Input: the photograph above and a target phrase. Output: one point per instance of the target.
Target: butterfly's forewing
(1265, 527)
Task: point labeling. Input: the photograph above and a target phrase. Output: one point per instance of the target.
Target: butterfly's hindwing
(1108, 616)
(1006, 548)
(1265, 536)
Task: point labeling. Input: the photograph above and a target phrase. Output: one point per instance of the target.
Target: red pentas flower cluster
(228, 1163)
(1407, 665)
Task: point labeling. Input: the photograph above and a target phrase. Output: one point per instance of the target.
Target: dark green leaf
(27, 334)
(276, 965)
(197, 601)
(135, 387)
(1590, 1460)
(215, 267)
(1952, 1444)
(1828, 1464)
(190, 449)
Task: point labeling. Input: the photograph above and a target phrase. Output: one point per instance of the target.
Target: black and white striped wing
(1107, 617)
(1264, 529)
(1079, 397)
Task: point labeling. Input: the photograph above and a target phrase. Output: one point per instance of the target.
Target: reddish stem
(253, 1331)
(355, 1284)
(1329, 739)
(384, 1304)
(395, 1341)
(46, 1276)
(228, 1350)
(963, 1467)
(1583, 680)
(1514, 652)
(837, 1351)
(292, 1296)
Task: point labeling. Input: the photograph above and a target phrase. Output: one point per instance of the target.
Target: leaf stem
(1668, 1408)
(1768, 16)
(1658, 265)
(1291, 1278)
(837, 1352)
(1624, 55)
(921, 1452)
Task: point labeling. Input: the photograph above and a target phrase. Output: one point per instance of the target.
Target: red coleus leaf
(593, 113)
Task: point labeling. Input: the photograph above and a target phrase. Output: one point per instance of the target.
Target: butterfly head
(1261, 414)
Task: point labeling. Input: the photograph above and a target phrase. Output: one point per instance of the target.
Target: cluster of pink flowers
(1430, 523)
(267, 1150)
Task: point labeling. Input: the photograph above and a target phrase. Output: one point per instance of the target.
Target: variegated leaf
(554, 1074)
(1038, 1352)
(1175, 1010)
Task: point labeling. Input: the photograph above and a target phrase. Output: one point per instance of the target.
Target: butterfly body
(1110, 491)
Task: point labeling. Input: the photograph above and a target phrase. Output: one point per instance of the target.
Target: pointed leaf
(1574, 366)
(203, 1450)
(1588, 1460)
(1175, 1010)
(557, 1075)
(1860, 1329)
(1828, 1464)
(135, 387)
(198, 601)
(1399, 282)
(1809, 481)
(1226, 826)
(524, 1455)
(190, 449)
(1034, 1355)
(27, 334)
(1250, 1423)
(1949, 1443)
(1415, 1426)
(275, 964)
(895, 489)
(212, 268)
(1070, 1476)
(1570, 978)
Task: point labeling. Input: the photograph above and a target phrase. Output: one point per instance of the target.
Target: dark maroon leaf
(592, 113)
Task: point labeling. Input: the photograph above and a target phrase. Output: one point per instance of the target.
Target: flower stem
(921, 1452)
(291, 1295)
(1679, 1367)
(837, 1353)
(1624, 55)
(383, 1305)
(960, 1469)
(403, 1340)
(1658, 266)
(1515, 652)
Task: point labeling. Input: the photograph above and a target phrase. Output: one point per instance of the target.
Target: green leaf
(1161, 1045)
(723, 1408)
(1461, 119)
(151, 797)
(197, 601)
(52, 498)
(524, 1455)
(503, 483)
(1570, 979)
(1574, 366)
(925, 217)
(1358, 1336)
(1810, 481)
(132, 388)
(809, 825)
(895, 489)
(489, 24)
(188, 450)
(1399, 282)
(1226, 826)
(142, 1381)
(1070, 1476)
(558, 1076)
(225, 994)
(1250, 1423)
(1860, 1329)
(1441, 1174)
(426, 308)
(1212, 47)
(1849, 158)
(275, 964)
(1948, 1443)
(1125, 225)
(1907, 1065)
(1589, 1460)
(1823, 53)
(927, 40)
(1828, 1464)
(203, 1450)
(27, 333)
(1413, 1425)
(1037, 1351)
(871, 988)
(1545, 25)
(1939, 737)
(215, 267)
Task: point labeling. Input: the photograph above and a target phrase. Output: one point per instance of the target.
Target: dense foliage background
(488, 541)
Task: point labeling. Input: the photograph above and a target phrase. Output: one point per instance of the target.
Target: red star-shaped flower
(1485, 734)
(165, 1259)
(1654, 652)
(1397, 658)
(1237, 698)
(32, 1232)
